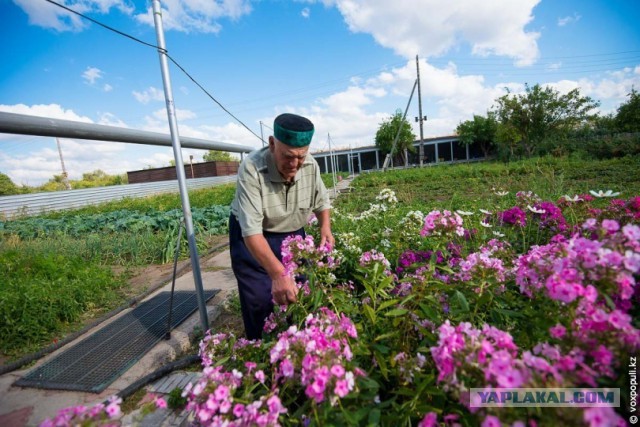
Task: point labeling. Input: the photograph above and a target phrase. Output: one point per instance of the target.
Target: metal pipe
(22, 124)
(177, 153)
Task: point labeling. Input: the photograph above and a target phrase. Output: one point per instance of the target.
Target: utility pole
(177, 153)
(65, 179)
(421, 118)
(262, 135)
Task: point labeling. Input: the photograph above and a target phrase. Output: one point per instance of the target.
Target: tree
(387, 133)
(218, 156)
(628, 117)
(481, 130)
(539, 113)
(7, 187)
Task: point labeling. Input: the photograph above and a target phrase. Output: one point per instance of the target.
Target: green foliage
(97, 178)
(388, 131)
(628, 115)
(175, 401)
(526, 120)
(462, 185)
(43, 294)
(7, 187)
(481, 131)
(218, 156)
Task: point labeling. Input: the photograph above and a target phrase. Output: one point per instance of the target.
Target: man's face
(288, 159)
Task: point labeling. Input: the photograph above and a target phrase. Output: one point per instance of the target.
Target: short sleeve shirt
(265, 202)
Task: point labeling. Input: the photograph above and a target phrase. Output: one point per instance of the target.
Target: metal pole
(421, 151)
(22, 124)
(177, 153)
(333, 166)
(167, 335)
(65, 176)
(262, 135)
(395, 141)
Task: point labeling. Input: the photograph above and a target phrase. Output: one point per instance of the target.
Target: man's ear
(272, 143)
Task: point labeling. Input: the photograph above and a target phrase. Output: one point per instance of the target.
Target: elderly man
(278, 187)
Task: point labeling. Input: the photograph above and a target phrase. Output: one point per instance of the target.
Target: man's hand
(326, 237)
(284, 290)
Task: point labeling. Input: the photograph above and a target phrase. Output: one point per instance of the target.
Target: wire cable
(104, 25)
(160, 50)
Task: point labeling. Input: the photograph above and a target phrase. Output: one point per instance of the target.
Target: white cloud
(196, 15)
(91, 74)
(53, 111)
(151, 94)
(568, 20)
(305, 12)
(48, 15)
(107, 87)
(432, 27)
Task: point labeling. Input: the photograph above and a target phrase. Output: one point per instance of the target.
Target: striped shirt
(265, 202)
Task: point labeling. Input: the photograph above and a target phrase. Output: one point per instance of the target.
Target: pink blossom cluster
(467, 357)
(214, 403)
(317, 357)
(298, 250)
(461, 350)
(486, 263)
(624, 211)
(551, 217)
(524, 198)
(372, 257)
(97, 415)
(513, 216)
(442, 223)
(570, 268)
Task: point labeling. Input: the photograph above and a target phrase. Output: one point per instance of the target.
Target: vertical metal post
(177, 153)
(333, 166)
(421, 151)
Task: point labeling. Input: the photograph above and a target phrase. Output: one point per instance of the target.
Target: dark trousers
(254, 284)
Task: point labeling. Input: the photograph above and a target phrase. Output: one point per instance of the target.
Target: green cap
(293, 130)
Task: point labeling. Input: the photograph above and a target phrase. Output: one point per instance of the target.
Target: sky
(347, 65)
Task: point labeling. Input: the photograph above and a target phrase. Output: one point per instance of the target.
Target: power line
(160, 49)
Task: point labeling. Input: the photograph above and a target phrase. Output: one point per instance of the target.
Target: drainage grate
(95, 362)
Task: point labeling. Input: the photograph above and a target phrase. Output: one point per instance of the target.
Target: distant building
(196, 170)
(442, 149)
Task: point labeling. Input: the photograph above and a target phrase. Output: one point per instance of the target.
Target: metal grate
(95, 362)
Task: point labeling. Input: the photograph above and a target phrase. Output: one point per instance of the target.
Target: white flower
(486, 225)
(534, 210)
(501, 193)
(485, 212)
(600, 193)
(575, 198)
(498, 234)
(465, 213)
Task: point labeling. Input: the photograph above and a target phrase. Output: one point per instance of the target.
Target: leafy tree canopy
(7, 187)
(540, 112)
(628, 116)
(218, 156)
(389, 129)
(481, 130)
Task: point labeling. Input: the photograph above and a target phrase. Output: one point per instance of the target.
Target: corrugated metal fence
(37, 203)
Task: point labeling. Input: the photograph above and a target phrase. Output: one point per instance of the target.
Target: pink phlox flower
(430, 419)
(602, 417)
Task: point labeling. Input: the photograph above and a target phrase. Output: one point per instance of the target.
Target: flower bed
(410, 311)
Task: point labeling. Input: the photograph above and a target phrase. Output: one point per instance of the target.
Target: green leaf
(396, 312)
(461, 300)
(371, 314)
